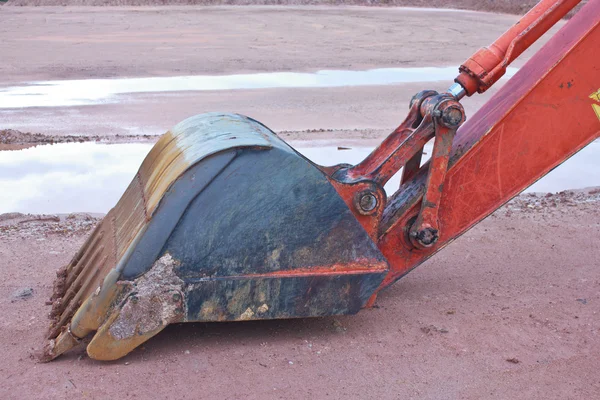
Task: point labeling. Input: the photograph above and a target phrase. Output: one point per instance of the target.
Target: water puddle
(98, 91)
(91, 177)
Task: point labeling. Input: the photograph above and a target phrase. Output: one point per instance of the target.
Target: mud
(11, 139)
(155, 302)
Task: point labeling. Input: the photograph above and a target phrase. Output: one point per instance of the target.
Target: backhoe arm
(546, 113)
(542, 116)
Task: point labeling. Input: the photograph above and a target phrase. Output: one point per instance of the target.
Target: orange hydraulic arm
(488, 64)
(546, 113)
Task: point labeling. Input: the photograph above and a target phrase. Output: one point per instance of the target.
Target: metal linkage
(448, 115)
(432, 115)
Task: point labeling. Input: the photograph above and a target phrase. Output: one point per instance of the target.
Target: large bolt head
(452, 116)
(426, 237)
(367, 202)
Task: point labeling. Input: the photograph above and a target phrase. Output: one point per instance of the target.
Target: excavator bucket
(226, 222)
(223, 222)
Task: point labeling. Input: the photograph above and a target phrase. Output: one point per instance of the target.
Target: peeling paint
(248, 314)
(262, 309)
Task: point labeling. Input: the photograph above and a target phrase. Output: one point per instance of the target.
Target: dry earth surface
(500, 6)
(88, 42)
(509, 310)
(106, 42)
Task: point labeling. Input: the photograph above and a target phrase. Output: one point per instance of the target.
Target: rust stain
(342, 269)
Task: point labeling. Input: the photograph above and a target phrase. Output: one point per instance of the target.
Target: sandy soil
(510, 310)
(500, 6)
(78, 42)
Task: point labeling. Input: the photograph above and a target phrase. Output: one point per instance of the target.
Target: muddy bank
(11, 139)
(369, 112)
(109, 42)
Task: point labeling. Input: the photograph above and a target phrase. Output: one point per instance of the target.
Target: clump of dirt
(22, 294)
(22, 226)
(57, 293)
(430, 329)
(157, 301)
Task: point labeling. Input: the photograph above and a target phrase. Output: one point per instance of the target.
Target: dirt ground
(103, 42)
(89, 42)
(507, 311)
(499, 6)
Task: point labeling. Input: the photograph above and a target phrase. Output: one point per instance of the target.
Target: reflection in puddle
(68, 177)
(91, 177)
(95, 91)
